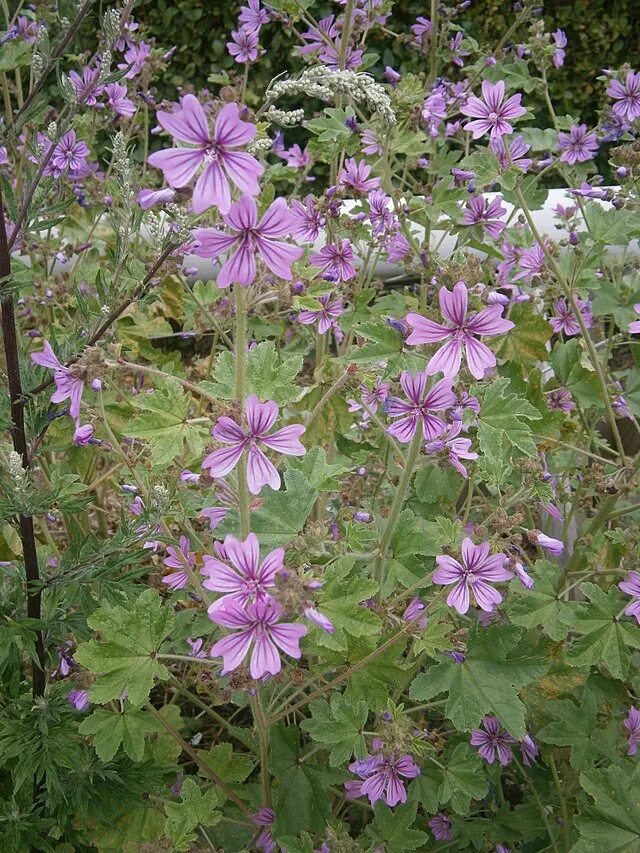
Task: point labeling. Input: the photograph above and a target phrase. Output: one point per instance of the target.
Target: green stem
(398, 502)
(566, 825)
(241, 376)
(262, 728)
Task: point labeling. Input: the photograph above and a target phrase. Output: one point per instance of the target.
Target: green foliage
(112, 730)
(612, 821)
(503, 422)
(270, 375)
(196, 808)
(339, 724)
(125, 656)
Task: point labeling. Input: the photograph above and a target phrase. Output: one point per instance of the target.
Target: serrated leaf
(339, 724)
(566, 360)
(283, 514)
(526, 344)
(340, 599)
(111, 730)
(613, 822)
(125, 658)
(270, 375)
(197, 808)
(503, 421)
(574, 725)
(541, 606)
(607, 637)
(319, 473)
(494, 670)
(392, 827)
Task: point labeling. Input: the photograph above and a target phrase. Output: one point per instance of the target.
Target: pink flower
(554, 546)
(247, 579)
(481, 211)
(476, 572)
(560, 41)
(565, 319)
(243, 45)
(117, 99)
(355, 176)
(181, 559)
(517, 150)
(259, 629)
(631, 585)
(632, 725)
(336, 260)
(325, 316)
(493, 741)
(253, 16)
(260, 418)
(460, 335)
(382, 778)
(491, 113)
(531, 263)
(306, 219)
(214, 515)
(69, 158)
(419, 410)
(626, 95)
(248, 238)
(149, 198)
(68, 384)
(634, 326)
(455, 448)
(577, 146)
(216, 151)
(78, 699)
(440, 825)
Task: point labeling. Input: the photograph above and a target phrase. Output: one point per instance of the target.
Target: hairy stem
(241, 376)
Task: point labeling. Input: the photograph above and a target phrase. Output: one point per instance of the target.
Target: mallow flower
(382, 778)
(242, 577)
(69, 385)
(247, 237)
(215, 150)
(258, 629)
(418, 412)
(493, 741)
(460, 335)
(474, 574)
(260, 418)
(491, 113)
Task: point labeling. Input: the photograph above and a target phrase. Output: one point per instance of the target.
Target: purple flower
(491, 113)
(565, 318)
(419, 410)
(243, 45)
(149, 198)
(577, 146)
(117, 99)
(248, 238)
(371, 398)
(69, 385)
(69, 157)
(86, 87)
(632, 724)
(440, 825)
(78, 699)
(493, 740)
(306, 219)
(83, 435)
(214, 515)
(486, 213)
(247, 579)
(476, 572)
(216, 151)
(631, 585)
(135, 56)
(554, 546)
(265, 817)
(626, 96)
(525, 579)
(381, 214)
(517, 150)
(260, 418)
(370, 144)
(382, 778)
(528, 750)
(634, 326)
(434, 110)
(182, 559)
(355, 176)
(253, 16)
(259, 629)
(196, 647)
(336, 260)
(457, 51)
(531, 263)
(456, 448)
(319, 619)
(413, 610)
(460, 335)
(325, 316)
(560, 41)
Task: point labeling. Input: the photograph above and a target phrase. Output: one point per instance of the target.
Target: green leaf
(607, 638)
(332, 128)
(410, 542)
(269, 375)
(124, 659)
(526, 344)
(539, 140)
(319, 473)
(339, 724)
(436, 485)
(566, 360)
(283, 514)
(458, 781)
(302, 798)
(111, 730)
(613, 822)
(14, 54)
(384, 344)
(502, 422)
(575, 725)
(617, 302)
(484, 164)
(391, 827)
(610, 226)
(540, 606)
(494, 670)
(340, 599)
(197, 808)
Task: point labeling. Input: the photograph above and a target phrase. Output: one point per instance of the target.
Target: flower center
(493, 116)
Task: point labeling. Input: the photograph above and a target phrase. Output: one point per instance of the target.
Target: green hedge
(601, 33)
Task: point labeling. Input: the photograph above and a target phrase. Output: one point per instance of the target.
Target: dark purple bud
(297, 288)
(351, 123)
(398, 325)
(622, 171)
(573, 238)
(364, 517)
